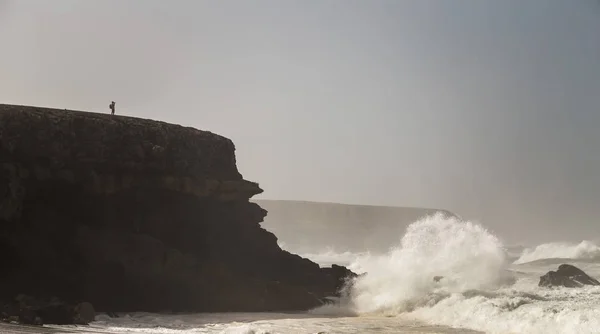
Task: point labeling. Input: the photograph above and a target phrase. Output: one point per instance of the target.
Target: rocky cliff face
(138, 215)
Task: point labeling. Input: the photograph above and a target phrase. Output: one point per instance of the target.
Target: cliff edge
(138, 215)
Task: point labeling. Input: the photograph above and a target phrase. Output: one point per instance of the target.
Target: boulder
(341, 277)
(567, 276)
(83, 313)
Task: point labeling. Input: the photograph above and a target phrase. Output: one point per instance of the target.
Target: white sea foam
(565, 311)
(585, 250)
(465, 254)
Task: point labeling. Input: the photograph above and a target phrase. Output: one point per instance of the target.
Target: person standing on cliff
(112, 107)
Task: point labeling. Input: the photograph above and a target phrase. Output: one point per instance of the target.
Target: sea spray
(585, 250)
(465, 254)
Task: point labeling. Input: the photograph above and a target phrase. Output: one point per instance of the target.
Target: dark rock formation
(27, 310)
(567, 276)
(137, 215)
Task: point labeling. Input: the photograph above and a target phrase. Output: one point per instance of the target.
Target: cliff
(309, 227)
(138, 215)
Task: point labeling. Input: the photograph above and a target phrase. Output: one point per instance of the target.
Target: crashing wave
(464, 253)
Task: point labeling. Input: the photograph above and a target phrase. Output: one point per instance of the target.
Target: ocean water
(487, 287)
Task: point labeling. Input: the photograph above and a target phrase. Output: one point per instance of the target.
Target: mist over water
(312, 227)
(585, 250)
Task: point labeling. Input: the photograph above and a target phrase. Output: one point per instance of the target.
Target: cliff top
(66, 139)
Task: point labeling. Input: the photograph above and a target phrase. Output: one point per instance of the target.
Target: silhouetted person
(112, 107)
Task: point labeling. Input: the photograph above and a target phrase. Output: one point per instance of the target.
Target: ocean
(487, 287)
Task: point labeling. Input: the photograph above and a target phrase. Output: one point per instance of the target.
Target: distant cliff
(312, 226)
(138, 215)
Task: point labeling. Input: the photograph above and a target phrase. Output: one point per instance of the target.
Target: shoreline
(271, 322)
(7, 328)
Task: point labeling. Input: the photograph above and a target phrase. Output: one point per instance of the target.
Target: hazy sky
(488, 108)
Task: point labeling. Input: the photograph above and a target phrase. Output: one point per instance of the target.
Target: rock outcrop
(567, 276)
(29, 311)
(138, 215)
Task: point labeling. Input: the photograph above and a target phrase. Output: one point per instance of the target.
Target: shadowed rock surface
(138, 215)
(27, 310)
(567, 276)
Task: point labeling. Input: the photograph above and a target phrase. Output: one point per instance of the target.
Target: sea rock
(132, 214)
(567, 276)
(341, 278)
(83, 313)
